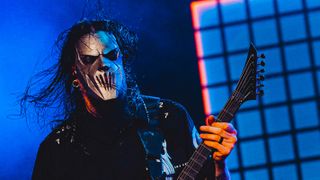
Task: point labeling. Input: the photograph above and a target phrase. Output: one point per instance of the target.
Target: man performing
(110, 130)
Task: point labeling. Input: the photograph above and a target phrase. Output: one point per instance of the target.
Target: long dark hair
(51, 92)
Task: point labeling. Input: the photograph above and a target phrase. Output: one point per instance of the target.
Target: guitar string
(241, 83)
(189, 165)
(231, 107)
(243, 77)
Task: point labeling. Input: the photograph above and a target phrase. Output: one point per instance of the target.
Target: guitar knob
(261, 71)
(262, 56)
(261, 78)
(260, 93)
(262, 63)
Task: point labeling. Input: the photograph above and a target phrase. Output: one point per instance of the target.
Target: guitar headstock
(250, 83)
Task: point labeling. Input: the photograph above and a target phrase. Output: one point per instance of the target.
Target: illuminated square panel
(293, 27)
(275, 92)
(215, 71)
(218, 97)
(261, 28)
(236, 62)
(236, 176)
(308, 143)
(256, 9)
(297, 56)
(305, 119)
(285, 172)
(204, 14)
(289, 5)
(274, 124)
(249, 119)
(262, 174)
(232, 159)
(314, 18)
(229, 9)
(281, 148)
(249, 148)
(274, 64)
(313, 3)
(316, 52)
(318, 75)
(301, 85)
(209, 42)
(237, 37)
(310, 170)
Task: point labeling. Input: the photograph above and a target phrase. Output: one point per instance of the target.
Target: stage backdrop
(279, 135)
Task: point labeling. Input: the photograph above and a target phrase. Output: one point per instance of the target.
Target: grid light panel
(279, 135)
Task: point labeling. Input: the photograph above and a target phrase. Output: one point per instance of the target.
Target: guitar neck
(198, 158)
(246, 90)
(230, 108)
(194, 165)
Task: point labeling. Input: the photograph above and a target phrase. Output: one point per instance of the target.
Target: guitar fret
(196, 162)
(190, 170)
(226, 111)
(199, 158)
(197, 165)
(185, 176)
(201, 155)
(231, 107)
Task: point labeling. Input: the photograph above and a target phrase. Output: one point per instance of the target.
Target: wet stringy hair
(51, 92)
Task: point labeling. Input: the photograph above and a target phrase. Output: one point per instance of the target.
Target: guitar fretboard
(231, 107)
(193, 167)
(198, 158)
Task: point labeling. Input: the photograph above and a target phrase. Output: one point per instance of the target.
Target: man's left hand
(212, 134)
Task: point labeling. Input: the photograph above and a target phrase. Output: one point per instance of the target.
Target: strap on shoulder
(151, 138)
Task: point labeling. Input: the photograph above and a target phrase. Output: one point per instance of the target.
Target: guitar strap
(151, 138)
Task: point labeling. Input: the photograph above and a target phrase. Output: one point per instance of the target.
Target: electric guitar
(248, 87)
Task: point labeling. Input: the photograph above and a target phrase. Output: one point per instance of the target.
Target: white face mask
(99, 66)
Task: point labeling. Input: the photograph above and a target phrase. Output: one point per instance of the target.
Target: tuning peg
(262, 63)
(261, 71)
(261, 78)
(262, 56)
(260, 85)
(260, 93)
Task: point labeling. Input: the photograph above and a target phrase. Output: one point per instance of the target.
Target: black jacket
(85, 148)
